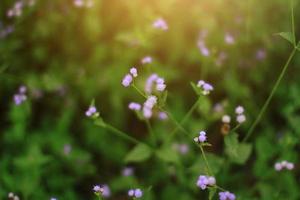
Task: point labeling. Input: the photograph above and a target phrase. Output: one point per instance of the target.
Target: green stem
(293, 23)
(267, 102)
(181, 123)
(123, 134)
(209, 171)
(139, 91)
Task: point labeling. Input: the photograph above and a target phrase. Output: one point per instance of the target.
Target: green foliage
(68, 55)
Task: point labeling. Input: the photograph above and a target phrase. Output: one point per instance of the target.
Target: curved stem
(267, 102)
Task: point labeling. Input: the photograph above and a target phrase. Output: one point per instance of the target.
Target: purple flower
(135, 193)
(226, 196)
(241, 118)
(204, 181)
(162, 115)
(127, 171)
(134, 106)
(260, 54)
(160, 24)
(20, 97)
(146, 60)
(133, 72)
(91, 111)
(239, 110)
(202, 136)
(229, 39)
(127, 80)
(102, 190)
(283, 165)
(203, 49)
(206, 87)
(148, 105)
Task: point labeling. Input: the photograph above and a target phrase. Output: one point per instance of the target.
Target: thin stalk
(209, 171)
(267, 102)
(293, 23)
(123, 134)
(187, 115)
(139, 91)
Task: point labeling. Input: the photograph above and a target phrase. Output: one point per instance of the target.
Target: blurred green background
(67, 55)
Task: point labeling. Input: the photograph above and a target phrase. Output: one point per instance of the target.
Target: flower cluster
(160, 24)
(135, 193)
(206, 87)
(283, 165)
(146, 60)
(12, 196)
(18, 7)
(102, 190)
(128, 78)
(226, 196)
(240, 118)
(204, 181)
(84, 3)
(20, 97)
(148, 105)
(201, 137)
(92, 110)
(154, 81)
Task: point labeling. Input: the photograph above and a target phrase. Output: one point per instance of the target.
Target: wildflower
(226, 196)
(229, 39)
(146, 60)
(133, 72)
(160, 84)
(135, 193)
(134, 106)
(283, 164)
(162, 115)
(127, 80)
(226, 119)
(148, 105)
(102, 190)
(181, 148)
(206, 87)
(203, 49)
(204, 181)
(160, 24)
(260, 54)
(52, 198)
(150, 102)
(20, 97)
(158, 81)
(201, 137)
(127, 171)
(91, 111)
(241, 119)
(239, 110)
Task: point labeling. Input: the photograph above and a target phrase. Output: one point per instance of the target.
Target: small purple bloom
(160, 24)
(226, 196)
(127, 171)
(135, 193)
(162, 116)
(146, 60)
(127, 80)
(134, 106)
(91, 111)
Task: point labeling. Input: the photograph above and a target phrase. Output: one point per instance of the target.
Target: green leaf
(139, 153)
(212, 192)
(287, 36)
(237, 152)
(214, 161)
(168, 155)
